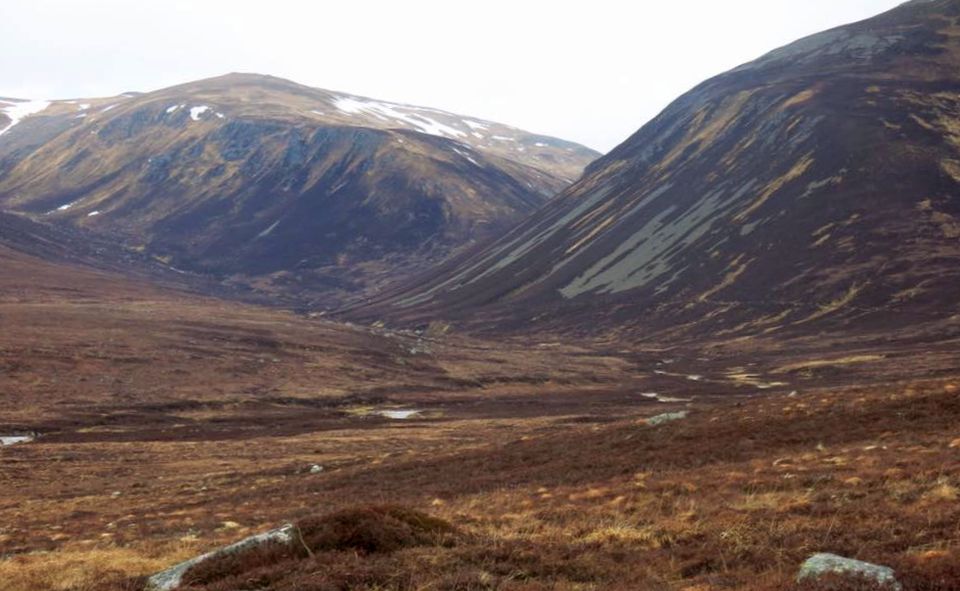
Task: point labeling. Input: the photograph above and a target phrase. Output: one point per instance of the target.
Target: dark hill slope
(276, 184)
(817, 187)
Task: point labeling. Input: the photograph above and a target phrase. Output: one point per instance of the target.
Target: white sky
(591, 71)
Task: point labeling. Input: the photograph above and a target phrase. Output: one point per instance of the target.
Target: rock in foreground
(171, 578)
(822, 564)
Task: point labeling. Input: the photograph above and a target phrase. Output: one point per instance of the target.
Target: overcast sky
(592, 71)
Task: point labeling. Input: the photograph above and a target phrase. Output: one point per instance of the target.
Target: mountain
(275, 184)
(816, 188)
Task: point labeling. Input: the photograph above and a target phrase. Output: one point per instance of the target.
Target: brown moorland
(170, 424)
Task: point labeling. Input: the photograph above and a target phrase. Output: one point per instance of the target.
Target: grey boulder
(822, 564)
(667, 417)
(170, 579)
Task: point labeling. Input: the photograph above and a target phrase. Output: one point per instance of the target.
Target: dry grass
(83, 568)
(732, 498)
(816, 363)
(168, 430)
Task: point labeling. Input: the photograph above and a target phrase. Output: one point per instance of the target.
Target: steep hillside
(277, 184)
(814, 188)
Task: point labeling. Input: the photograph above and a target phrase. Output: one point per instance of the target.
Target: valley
(306, 196)
(314, 341)
(168, 422)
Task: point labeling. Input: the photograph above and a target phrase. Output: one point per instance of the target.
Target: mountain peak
(814, 187)
(317, 194)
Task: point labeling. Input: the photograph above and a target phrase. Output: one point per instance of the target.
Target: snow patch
(349, 105)
(467, 156)
(107, 108)
(196, 112)
(173, 108)
(11, 439)
(66, 206)
(93, 213)
(664, 399)
(398, 414)
(269, 230)
(20, 110)
(398, 113)
(355, 107)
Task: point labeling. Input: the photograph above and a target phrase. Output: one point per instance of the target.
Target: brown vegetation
(172, 424)
(734, 497)
(323, 546)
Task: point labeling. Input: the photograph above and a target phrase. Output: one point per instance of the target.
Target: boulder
(667, 417)
(169, 579)
(822, 564)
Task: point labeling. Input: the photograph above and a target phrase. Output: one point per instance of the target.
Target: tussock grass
(89, 569)
(735, 498)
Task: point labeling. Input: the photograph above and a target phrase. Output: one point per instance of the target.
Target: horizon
(499, 77)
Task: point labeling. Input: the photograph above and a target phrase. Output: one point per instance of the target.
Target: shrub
(361, 531)
(933, 571)
(374, 529)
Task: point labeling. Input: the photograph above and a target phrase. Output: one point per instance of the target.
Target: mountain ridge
(269, 184)
(806, 190)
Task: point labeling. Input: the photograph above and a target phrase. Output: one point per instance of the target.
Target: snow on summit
(196, 112)
(410, 116)
(17, 111)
